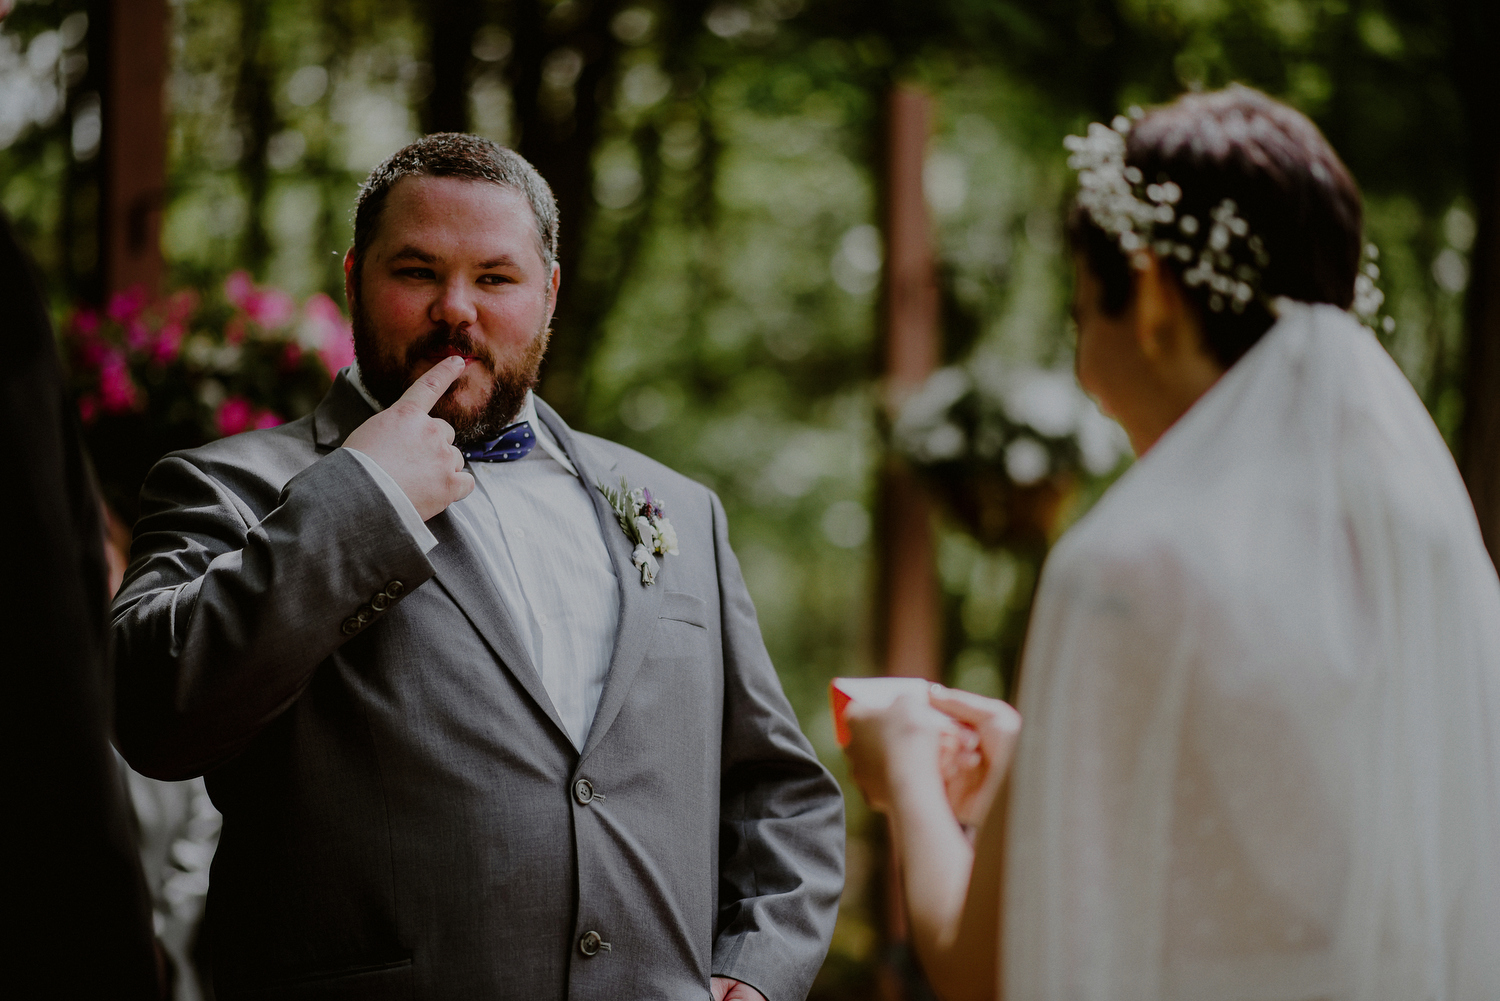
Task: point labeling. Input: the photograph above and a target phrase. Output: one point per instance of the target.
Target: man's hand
(417, 449)
(725, 989)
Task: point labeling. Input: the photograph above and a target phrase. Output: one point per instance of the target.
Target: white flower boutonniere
(645, 523)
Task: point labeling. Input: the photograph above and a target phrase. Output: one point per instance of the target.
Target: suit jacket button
(583, 791)
(364, 615)
(380, 602)
(351, 626)
(590, 943)
(395, 589)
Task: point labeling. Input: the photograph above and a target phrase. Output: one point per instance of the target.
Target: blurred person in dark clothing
(75, 901)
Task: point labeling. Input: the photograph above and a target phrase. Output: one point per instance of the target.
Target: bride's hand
(906, 742)
(974, 780)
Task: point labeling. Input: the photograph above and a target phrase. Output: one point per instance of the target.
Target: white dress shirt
(533, 529)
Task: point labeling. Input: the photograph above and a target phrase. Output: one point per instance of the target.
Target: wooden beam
(912, 640)
(912, 343)
(910, 616)
(135, 144)
(1475, 23)
(451, 26)
(1479, 443)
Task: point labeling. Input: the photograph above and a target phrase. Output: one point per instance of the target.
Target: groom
(468, 739)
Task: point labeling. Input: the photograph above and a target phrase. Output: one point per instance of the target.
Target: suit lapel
(639, 605)
(457, 571)
(340, 411)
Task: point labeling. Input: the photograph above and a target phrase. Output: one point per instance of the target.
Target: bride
(1261, 757)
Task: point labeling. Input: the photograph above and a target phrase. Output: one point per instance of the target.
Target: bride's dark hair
(1290, 187)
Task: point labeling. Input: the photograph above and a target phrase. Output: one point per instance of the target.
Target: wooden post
(910, 622)
(451, 25)
(135, 144)
(1479, 448)
(912, 344)
(912, 349)
(1474, 24)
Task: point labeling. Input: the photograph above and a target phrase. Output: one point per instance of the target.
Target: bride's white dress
(1261, 757)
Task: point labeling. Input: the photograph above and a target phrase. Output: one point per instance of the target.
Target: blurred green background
(719, 170)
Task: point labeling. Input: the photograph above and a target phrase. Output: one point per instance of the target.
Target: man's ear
(552, 287)
(349, 278)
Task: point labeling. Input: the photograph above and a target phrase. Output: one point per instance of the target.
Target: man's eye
(422, 274)
(496, 280)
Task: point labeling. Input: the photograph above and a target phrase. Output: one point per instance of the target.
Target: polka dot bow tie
(512, 444)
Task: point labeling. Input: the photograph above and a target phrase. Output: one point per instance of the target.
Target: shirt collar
(359, 387)
(528, 413)
(544, 434)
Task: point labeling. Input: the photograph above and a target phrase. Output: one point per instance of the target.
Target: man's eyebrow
(410, 251)
(503, 261)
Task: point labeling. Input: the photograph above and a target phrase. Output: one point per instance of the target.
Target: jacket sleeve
(222, 619)
(781, 815)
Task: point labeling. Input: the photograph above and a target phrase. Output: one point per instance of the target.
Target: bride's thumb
(975, 710)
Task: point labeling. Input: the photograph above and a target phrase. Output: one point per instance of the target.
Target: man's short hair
(455, 154)
(1287, 182)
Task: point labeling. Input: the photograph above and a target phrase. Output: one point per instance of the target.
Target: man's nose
(454, 304)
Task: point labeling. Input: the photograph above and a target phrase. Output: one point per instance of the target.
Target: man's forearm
(782, 875)
(219, 627)
(781, 817)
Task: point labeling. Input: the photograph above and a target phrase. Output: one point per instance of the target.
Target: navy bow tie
(512, 444)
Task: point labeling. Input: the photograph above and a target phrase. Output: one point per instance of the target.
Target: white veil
(1261, 756)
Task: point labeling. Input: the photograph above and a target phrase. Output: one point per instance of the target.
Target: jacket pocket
(683, 607)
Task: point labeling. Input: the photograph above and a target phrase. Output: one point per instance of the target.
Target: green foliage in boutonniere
(645, 523)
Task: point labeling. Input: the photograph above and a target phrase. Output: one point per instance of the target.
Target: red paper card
(874, 692)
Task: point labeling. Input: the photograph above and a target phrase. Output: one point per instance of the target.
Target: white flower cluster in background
(35, 75)
(1141, 216)
(1032, 422)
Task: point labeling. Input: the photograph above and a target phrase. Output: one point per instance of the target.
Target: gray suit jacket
(404, 816)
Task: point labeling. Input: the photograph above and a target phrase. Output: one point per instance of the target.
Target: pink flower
(334, 332)
(127, 305)
(117, 391)
(234, 415)
(267, 419)
(86, 323)
(270, 307)
(336, 353)
(239, 287)
(137, 335)
(88, 408)
(168, 343)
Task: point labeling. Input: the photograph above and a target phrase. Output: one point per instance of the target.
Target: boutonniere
(645, 524)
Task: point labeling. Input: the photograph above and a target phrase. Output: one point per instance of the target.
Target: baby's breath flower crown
(1222, 255)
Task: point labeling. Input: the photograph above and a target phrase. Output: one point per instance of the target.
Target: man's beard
(388, 377)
